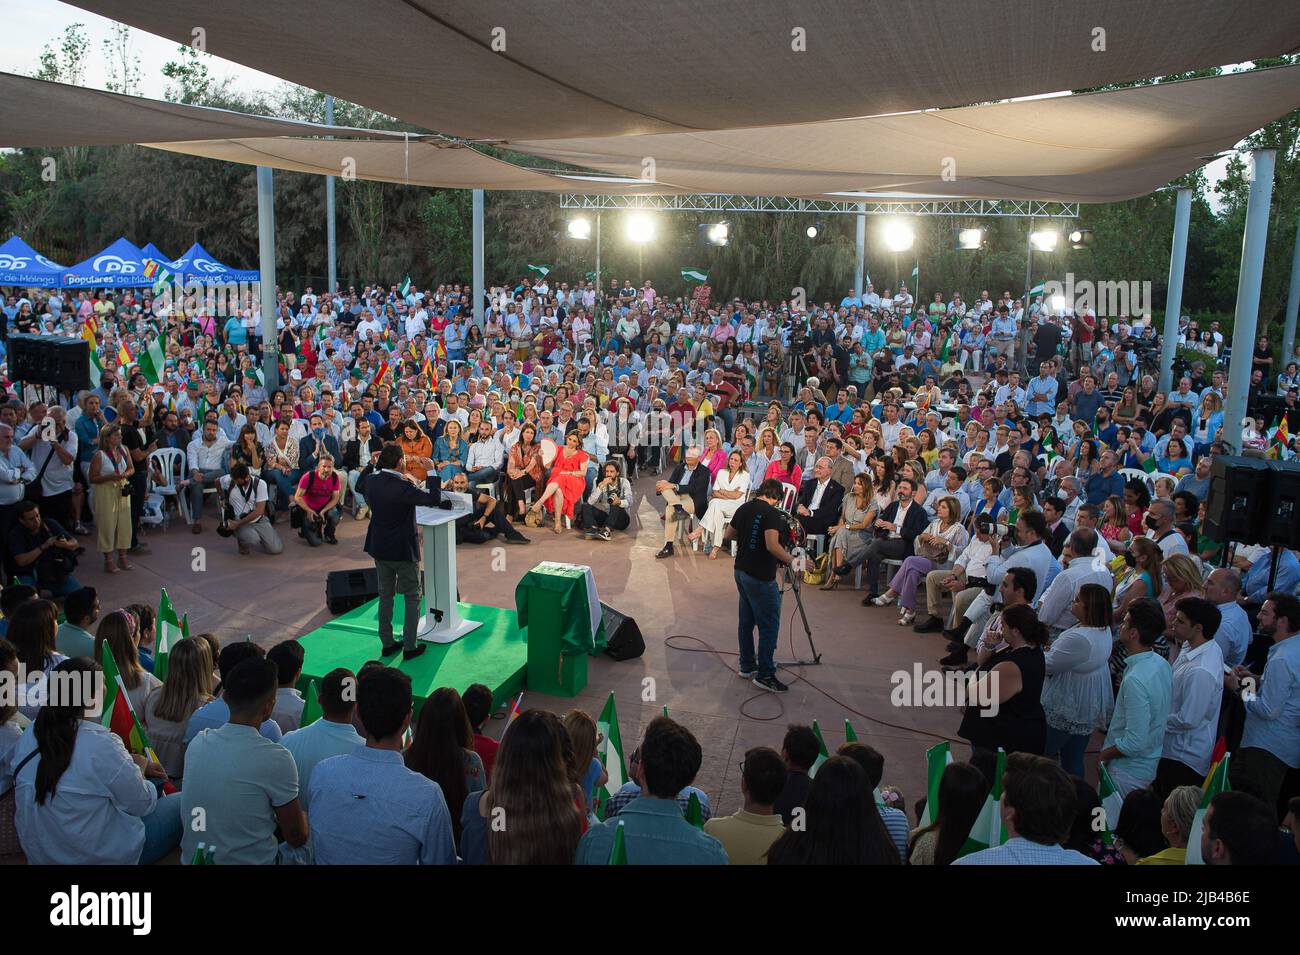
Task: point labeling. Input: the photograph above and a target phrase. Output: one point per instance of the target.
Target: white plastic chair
(1130, 474)
(171, 463)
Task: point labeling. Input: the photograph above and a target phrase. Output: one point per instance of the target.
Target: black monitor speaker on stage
(1238, 500)
(1281, 521)
(623, 640)
(348, 589)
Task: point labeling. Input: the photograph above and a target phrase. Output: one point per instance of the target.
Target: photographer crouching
(243, 516)
(44, 553)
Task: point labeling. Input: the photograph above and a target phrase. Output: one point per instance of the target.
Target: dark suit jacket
(915, 521)
(698, 489)
(307, 451)
(392, 534)
(1056, 539)
(829, 510)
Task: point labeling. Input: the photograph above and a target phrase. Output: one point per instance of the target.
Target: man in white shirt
(1193, 722)
(891, 428)
(206, 455)
(1080, 567)
(247, 497)
(485, 456)
(369, 326)
(1159, 522)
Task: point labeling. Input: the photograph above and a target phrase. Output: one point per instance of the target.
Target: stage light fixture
(718, 233)
(970, 238)
(1044, 241)
(640, 228)
(898, 236)
(579, 228)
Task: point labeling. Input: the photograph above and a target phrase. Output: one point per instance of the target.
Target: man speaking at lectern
(394, 542)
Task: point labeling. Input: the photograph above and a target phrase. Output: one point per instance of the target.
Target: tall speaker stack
(1254, 501)
(58, 362)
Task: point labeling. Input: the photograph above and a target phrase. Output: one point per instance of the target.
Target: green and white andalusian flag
(167, 633)
(1038, 289)
(96, 369)
(822, 753)
(695, 275)
(618, 851)
(405, 288)
(695, 812)
(609, 748)
(1216, 782)
(850, 736)
(311, 710)
(937, 759)
(153, 362)
(988, 830)
(542, 270)
(1111, 803)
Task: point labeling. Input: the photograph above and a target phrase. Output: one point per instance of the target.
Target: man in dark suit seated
(393, 541)
(687, 494)
(1057, 531)
(898, 525)
(820, 498)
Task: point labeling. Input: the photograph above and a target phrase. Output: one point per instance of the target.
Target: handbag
(815, 574)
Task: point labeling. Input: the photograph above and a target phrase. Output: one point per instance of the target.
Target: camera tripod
(794, 583)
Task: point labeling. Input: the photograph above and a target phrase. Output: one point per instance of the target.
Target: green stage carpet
(496, 654)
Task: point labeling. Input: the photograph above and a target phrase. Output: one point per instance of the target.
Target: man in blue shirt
(1040, 395)
(1270, 741)
(1106, 482)
(1037, 811)
(1223, 587)
(1255, 583)
(367, 808)
(654, 830)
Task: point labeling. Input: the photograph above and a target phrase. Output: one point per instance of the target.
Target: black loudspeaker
(1281, 521)
(25, 361)
(1234, 510)
(71, 364)
(56, 362)
(348, 589)
(622, 635)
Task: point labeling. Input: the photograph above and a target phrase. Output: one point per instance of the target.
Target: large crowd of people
(1009, 477)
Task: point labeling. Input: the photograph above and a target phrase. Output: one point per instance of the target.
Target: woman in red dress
(568, 480)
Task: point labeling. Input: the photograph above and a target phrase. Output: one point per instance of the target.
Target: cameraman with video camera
(43, 552)
(52, 447)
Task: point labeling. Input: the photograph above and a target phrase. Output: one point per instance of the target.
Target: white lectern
(438, 538)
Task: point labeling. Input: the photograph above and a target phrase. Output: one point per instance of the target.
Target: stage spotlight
(718, 233)
(640, 228)
(1044, 241)
(579, 228)
(813, 230)
(1058, 303)
(1080, 238)
(898, 236)
(970, 238)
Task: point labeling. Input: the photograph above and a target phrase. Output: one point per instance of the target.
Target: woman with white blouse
(730, 488)
(82, 799)
(1077, 694)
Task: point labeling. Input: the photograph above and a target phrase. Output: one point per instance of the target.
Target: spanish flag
(124, 356)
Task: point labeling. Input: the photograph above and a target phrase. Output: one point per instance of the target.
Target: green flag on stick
(618, 851)
(311, 710)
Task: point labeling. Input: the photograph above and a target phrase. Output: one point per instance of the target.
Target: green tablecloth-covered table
(558, 604)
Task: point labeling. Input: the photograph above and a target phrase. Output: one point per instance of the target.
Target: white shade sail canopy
(510, 69)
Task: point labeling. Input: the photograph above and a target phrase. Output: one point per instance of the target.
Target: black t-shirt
(136, 437)
(752, 521)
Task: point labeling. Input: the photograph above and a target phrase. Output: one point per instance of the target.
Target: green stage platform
(496, 654)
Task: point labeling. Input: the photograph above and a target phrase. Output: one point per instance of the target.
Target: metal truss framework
(1005, 208)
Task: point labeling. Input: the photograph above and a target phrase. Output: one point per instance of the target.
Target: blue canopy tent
(121, 265)
(199, 265)
(151, 251)
(22, 265)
